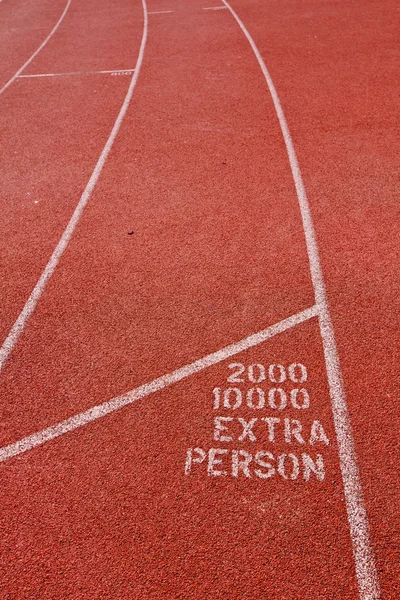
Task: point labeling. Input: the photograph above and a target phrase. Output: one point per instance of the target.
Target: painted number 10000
(257, 398)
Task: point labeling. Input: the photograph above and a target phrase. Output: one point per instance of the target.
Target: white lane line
(42, 45)
(163, 12)
(74, 73)
(48, 271)
(97, 412)
(359, 530)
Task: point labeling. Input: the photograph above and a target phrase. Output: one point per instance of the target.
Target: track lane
(23, 27)
(357, 517)
(102, 410)
(5, 40)
(98, 37)
(345, 575)
(182, 271)
(348, 591)
(335, 66)
(67, 121)
(112, 503)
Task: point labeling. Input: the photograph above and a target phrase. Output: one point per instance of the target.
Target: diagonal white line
(357, 517)
(97, 412)
(42, 45)
(74, 73)
(30, 305)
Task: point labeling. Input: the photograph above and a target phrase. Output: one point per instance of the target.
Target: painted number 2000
(276, 373)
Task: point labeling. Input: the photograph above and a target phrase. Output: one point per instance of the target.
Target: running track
(192, 247)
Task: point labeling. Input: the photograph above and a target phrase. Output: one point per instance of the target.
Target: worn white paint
(112, 72)
(287, 429)
(247, 429)
(165, 12)
(161, 12)
(256, 373)
(293, 429)
(190, 459)
(300, 398)
(240, 463)
(220, 427)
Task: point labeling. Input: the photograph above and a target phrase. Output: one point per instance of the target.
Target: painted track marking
(128, 71)
(363, 555)
(30, 305)
(164, 12)
(161, 12)
(42, 45)
(364, 561)
(101, 410)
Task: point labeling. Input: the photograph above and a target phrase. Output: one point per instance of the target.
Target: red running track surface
(191, 241)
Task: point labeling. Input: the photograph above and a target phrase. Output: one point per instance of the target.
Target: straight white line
(74, 73)
(363, 555)
(48, 271)
(162, 12)
(42, 45)
(160, 383)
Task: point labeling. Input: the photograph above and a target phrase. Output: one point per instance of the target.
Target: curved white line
(363, 555)
(48, 271)
(42, 45)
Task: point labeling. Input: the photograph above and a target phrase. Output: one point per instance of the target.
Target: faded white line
(359, 530)
(48, 271)
(97, 412)
(74, 73)
(42, 45)
(163, 12)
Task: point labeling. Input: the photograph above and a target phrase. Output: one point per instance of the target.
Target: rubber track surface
(193, 240)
